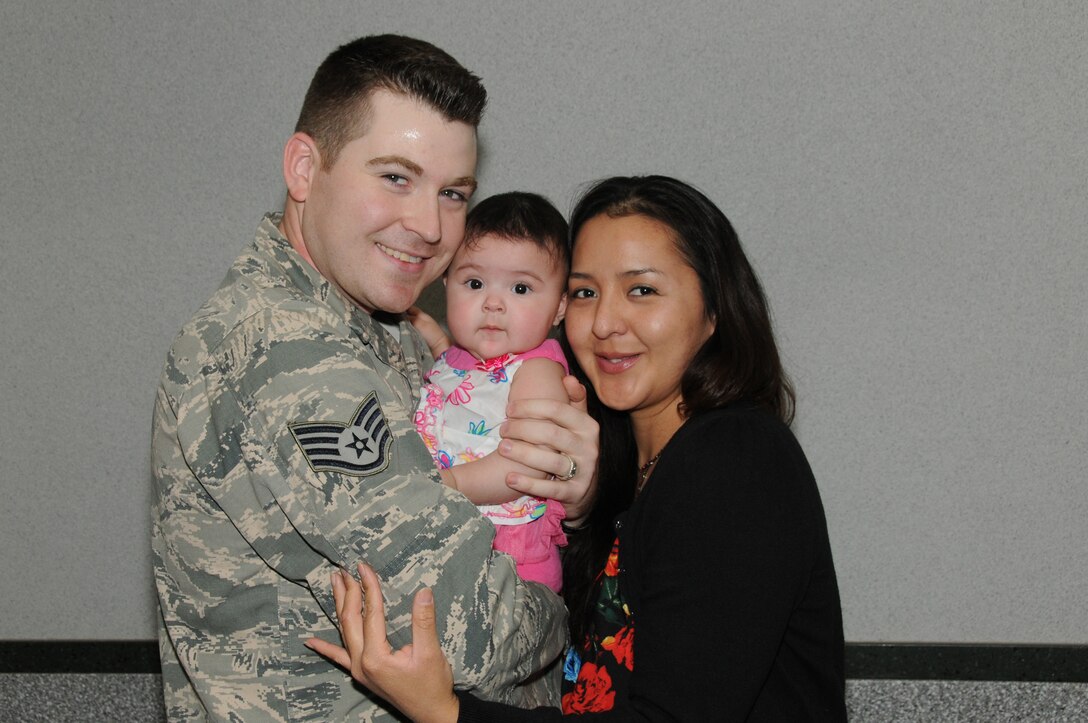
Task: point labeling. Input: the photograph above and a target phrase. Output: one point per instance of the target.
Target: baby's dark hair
(521, 216)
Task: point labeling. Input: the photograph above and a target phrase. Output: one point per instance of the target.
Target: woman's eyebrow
(625, 274)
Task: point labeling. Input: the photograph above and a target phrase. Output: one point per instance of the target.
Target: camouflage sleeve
(332, 473)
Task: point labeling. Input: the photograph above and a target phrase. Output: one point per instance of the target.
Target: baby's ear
(562, 310)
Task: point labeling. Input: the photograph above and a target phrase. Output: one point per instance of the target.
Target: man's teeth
(400, 255)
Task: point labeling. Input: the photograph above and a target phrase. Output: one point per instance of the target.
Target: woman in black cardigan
(702, 587)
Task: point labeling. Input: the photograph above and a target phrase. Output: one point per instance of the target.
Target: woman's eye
(474, 284)
(396, 180)
(642, 291)
(455, 195)
(581, 294)
(521, 289)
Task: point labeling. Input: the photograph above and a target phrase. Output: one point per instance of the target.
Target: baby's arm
(483, 481)
(432, 333)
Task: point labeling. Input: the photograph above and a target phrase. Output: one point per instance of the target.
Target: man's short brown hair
(336, 109)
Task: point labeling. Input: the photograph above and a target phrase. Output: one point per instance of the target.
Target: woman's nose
(607, 319)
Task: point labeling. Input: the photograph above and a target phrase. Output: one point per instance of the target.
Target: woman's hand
(416, 679)
(551, 436)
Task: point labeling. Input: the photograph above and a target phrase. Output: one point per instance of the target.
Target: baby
(505, 291)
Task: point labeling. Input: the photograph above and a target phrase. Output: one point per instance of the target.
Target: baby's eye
(474, 284)
(522, 289)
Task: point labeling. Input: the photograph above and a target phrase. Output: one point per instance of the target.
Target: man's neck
(291, 228)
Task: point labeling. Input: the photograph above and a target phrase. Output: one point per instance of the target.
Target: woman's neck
(654, 429)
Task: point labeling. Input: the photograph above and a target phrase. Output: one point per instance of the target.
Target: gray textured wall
(910, 179)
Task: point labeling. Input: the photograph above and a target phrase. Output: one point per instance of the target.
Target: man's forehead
(407, 133)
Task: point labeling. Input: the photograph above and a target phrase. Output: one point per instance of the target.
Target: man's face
(383, 222)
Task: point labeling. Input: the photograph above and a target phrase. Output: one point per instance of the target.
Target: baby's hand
(432, 332)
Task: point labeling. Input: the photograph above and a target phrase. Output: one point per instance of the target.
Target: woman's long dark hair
(739, 362)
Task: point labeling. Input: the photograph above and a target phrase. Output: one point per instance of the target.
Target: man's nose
(424, 219)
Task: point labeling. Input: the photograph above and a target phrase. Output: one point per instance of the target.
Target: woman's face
(635, 314)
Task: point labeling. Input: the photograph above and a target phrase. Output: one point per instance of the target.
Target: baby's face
(503, 296)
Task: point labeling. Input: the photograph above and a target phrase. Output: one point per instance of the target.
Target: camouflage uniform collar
(313, 284)
(309, 280)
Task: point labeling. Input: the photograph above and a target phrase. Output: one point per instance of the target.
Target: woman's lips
(615, 363)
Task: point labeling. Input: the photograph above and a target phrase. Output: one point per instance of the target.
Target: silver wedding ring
(570, 472)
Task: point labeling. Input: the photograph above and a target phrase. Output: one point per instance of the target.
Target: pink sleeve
(458, 358)
(550, 349)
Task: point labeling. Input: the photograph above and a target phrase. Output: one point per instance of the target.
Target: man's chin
(394, 306)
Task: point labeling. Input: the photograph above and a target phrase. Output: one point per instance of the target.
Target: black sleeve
(474, 710)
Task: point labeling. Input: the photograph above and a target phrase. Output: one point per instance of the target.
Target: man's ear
(562, 310)
(301, 160)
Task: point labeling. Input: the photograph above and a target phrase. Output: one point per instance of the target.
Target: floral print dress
(593, 674)
(461, 407)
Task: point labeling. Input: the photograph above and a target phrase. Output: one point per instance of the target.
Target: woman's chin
(617, 401)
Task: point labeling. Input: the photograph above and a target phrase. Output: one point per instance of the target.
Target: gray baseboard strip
(906, 661)
(874, 661)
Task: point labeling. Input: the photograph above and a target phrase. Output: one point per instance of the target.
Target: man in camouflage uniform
(283, 445)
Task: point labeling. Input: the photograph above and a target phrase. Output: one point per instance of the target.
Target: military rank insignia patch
(360, 447)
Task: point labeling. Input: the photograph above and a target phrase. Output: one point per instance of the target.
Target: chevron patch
(360, 447)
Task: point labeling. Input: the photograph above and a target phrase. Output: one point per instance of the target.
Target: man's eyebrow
(469, 181)
(397, 161)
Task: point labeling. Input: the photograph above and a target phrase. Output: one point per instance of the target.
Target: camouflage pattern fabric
(282, 449)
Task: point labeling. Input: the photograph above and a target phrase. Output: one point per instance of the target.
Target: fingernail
(426, 597)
